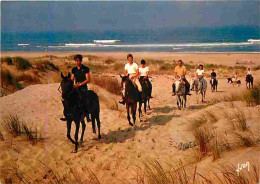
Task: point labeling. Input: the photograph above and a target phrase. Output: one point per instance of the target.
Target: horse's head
(66, 85)
(124, 78)
(178, 84)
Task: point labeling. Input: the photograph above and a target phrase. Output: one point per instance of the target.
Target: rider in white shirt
(144, 71)
(131, 69)
(249, 72)
(200, 74)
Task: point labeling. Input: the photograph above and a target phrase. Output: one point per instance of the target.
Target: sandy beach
(123, 150)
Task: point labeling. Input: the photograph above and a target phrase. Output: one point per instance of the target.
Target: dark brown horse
(214, 84)
(249, 81)
(74, 112)
(144, 96)
(130, 97)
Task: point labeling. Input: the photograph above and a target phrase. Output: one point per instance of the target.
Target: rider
(180, 72)
(144, 71)
(200, 74)
(249, 72)
(81, 77)
(213, 74)
(235, 77)
(131, 69)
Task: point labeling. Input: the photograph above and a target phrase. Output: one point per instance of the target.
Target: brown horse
(144, 97)
(249, 81)
(130, 97)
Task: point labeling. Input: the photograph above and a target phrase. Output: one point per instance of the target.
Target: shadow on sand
(128, 133)
(165, 110)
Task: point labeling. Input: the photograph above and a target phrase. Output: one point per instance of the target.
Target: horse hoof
(99, 137)
(94, 131)
(131, 124)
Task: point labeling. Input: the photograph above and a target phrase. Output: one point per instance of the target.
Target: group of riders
(81, 77)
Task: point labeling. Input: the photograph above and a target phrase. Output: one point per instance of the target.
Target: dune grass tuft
(1, 136)
(246, 139)
(21, 63)
(12, 124)
(111, 84)
(7, 60)
(46, 65)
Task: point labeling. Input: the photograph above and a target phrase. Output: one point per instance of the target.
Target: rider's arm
(85, 81)
(72, 77)
(125, 72)
(137, 72)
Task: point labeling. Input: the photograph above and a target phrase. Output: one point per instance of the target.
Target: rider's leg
(85, 101)
(187, 85)
(173, 89)
(137, 82)
(122, 101)
(150, 88)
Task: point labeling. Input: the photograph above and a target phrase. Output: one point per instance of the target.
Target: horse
(74, 112)
(214, 84)
(144, 96)
(249, 81)
(200, 89)
(181, 93)
(131, 98)
(230, 80)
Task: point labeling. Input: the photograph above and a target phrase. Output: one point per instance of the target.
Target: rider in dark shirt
(81, 77)
(213, 74)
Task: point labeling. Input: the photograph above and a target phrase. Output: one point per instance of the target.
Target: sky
(131, 15)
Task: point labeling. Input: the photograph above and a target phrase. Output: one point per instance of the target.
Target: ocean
(197, 39)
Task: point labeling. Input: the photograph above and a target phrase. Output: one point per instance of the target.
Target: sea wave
(223, 44)
(79, 44)
(173, 46)
(254, 41)
(105, 41)
(23, 44)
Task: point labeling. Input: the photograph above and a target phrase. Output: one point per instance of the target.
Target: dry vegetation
(14, 126)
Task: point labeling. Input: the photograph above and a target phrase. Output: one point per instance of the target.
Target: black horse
(249, 81)
(130, 97)
(73, 110)
(144, 96)
(214, 84)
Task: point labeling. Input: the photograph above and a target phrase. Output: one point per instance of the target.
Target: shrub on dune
(8, 80)
(111, 84)
(8, 60)
(46, 65)
(21, 63)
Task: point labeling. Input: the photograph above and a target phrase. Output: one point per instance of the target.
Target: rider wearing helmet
(144, 71)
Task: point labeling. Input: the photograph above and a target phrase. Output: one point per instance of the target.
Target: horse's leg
(98, 125)
(133, 109)
(68, 131)
(145, 103)
(179, 102)
(93, 123)
(83, 131)
(140, 108)
(149, 104)
(128, 115)
(185, 99)
(76, 135)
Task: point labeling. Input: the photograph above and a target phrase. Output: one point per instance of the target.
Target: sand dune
(121, 148)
